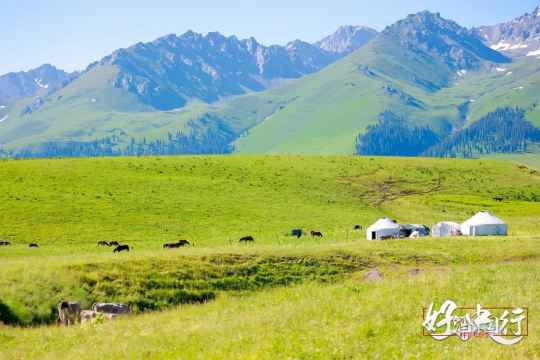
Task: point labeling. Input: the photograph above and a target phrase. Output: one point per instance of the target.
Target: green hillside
(336, 104)
(319, 114)
(212, 200)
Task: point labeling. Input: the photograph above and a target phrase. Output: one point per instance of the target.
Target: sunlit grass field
(280, 297)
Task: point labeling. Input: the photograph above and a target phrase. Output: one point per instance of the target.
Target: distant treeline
(392, 135)
(208, 136)
(505, 130)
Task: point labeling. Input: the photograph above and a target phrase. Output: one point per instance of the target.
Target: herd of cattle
(70, 313)
(181, 243)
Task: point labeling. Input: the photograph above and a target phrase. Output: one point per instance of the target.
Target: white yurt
(484, 224)
(446, 229)
(382, 229)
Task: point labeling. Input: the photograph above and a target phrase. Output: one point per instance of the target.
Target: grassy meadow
(280, 297)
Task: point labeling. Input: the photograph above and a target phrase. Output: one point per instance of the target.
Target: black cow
(297, 232)
(176, 245)
(103, 243)
(33, 245)
(121, 248)
(5, 243)
(358, 227)
(246, 239)
(114, 243)
(69, 313)
(316, 234)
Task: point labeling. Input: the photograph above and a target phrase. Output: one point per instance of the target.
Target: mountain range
(37, 82)
(210, 93)
(519, 37)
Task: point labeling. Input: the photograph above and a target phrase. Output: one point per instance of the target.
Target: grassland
(346, 318)
(280, 297)
(529, 159)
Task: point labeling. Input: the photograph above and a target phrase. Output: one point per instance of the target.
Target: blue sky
(72, 33)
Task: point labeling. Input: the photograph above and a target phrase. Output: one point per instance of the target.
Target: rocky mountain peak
(517, 38)
(347, 39)
(456, 46)
(36, 82)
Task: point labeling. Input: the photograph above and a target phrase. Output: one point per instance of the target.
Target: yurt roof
(384, 223)
(484, 218)
(447, 223)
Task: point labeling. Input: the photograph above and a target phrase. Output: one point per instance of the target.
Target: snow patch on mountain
(505, 46)
(39, 83)
(534, 53)
(4, 118)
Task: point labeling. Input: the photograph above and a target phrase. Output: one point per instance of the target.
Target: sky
(71, 34)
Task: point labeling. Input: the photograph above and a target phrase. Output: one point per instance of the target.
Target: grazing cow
(176, 245)
(88, 316)
(103, 243)
(110, 308)
(69, 313)
(358, 227)
(316, 234)
(33, 245)
(246, 239)
(114, 243)
(5, 243)
(121, 248)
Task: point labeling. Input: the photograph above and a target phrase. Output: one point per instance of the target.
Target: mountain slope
(173, 70)
(403, 69)
(120, 94)
(37, 82)
(427, 69)
(516, 38)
